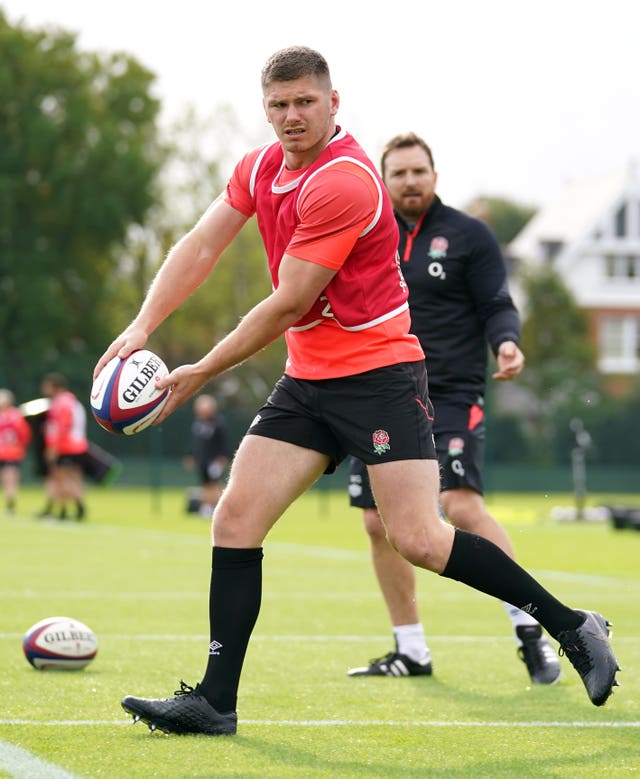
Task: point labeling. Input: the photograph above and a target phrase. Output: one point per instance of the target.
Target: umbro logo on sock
(529, 608)
(213, 647)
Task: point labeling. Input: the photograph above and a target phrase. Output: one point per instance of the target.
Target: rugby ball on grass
(124, 398)
(59, 643)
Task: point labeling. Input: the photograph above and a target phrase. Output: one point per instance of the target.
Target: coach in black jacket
(460, 302)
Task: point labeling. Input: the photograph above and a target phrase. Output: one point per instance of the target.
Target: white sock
(411, 642)
(518, 618)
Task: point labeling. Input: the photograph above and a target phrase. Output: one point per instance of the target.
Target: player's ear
(335, 102)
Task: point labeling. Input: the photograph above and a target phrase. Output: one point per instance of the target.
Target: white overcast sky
(514, 97)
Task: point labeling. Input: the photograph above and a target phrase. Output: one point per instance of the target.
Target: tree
(505, 217)
(78, 158)
(561, 359)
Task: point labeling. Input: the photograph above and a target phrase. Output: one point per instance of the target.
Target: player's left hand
(510, 361)
(184, 382)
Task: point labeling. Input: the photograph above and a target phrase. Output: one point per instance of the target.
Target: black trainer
(394, 664)
(589, 652)
(538, 655)
(187, 712)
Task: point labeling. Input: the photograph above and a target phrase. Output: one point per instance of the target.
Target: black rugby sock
(485, 567)
(234, 603)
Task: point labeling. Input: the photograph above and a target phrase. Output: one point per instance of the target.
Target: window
(622, 266)
(550, 250)
(619, 347)
(621, 221)
(611, 338)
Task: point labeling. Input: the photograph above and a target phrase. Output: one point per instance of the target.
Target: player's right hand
(130, 340)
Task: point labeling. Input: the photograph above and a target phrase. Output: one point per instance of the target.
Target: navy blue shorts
(210, 473)
(459, 436)
(71, 460)
(379, 416)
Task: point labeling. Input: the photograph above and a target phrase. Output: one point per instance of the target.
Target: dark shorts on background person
(360, 494)
(459, 432)
(210, 473)
(459, 436)
(379, 416)
(71, 460)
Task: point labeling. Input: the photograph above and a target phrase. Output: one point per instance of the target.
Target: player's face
(410, 180)
(302, 114)
(47, 389)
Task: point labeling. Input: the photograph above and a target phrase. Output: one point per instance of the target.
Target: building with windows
(591, 235)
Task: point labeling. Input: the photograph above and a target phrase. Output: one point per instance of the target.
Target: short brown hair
(292, 63)
(57, 380)
(405, 141)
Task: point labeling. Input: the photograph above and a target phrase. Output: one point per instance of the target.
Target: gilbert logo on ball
(60, 643)
(124, 398)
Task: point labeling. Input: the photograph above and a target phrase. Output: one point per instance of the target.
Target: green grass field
(138, 571)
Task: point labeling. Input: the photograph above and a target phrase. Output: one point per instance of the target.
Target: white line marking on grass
(320, 552)
(104, 596)
(630, 586)
(439, 724)
(585, 578)
(308, 638)
(353, 723)
(21, 764)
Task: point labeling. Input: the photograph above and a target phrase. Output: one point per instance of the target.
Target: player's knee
(373, 525)
(465, 509)
(425, 550)
(476, 520)
(225, 523)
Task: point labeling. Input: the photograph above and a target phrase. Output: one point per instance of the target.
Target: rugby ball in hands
(124, 398)
(61, 643)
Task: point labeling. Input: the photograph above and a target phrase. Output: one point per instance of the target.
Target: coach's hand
(510, 361)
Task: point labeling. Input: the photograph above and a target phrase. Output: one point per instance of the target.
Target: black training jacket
(459, 298)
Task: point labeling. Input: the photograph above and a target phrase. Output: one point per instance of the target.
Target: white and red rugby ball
(124, 398)
(62, 643)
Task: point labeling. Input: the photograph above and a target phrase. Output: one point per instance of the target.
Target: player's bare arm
(186, 266)
(300, 283)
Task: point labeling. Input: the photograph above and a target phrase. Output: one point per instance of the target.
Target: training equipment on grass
(36, 407)
(59, 643)
(124, 398)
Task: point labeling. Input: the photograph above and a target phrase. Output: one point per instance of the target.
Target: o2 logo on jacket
(437, 252)
(436, 270)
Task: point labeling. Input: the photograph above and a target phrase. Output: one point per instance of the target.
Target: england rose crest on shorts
(456, 446)
(438, 248)
(381, 441)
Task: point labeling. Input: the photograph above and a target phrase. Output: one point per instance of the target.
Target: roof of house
(576, 209)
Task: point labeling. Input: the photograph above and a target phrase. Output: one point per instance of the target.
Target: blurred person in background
(15, 435)
(66, 445)
(209, 451)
